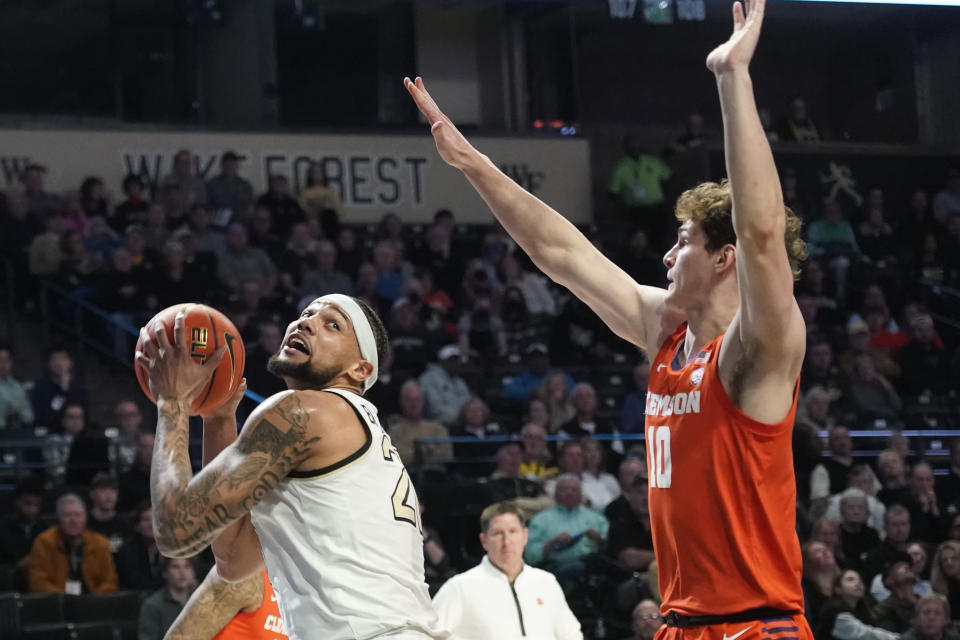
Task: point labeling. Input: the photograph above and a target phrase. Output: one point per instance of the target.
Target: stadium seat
(106, 607)
(40, 608)
(71, 631)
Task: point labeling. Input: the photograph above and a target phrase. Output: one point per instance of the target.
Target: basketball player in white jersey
(311, 488)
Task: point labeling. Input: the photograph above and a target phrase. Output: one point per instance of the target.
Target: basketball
(206, 329)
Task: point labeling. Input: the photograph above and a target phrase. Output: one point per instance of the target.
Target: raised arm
(768, 324)
(189, 512)
(237, 548)
(213, 604)
(551, 241)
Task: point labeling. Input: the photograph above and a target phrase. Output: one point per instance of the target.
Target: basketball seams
(216, 345)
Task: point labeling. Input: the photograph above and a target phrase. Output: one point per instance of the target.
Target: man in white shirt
(503, 597)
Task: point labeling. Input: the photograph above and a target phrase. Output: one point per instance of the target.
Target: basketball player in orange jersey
(221, 610)
(727, 340)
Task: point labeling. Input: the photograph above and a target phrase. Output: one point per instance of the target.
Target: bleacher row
(55, 616)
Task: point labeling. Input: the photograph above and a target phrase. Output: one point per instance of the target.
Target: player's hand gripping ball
(205, 331)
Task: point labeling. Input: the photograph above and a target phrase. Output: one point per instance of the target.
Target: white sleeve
(847, 627)
(819, 482)
(565, 624)
(448, 603)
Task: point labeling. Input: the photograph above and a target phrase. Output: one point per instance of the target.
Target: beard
(301, 372)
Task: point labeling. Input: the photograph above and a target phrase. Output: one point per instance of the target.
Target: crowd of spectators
(544, 404)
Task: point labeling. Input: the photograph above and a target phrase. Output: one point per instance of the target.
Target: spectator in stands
(324, 278)
(919, 562)
(409, 339)
(103, 517)
(503, 597)
(884, 332)
(262, 235)
(480, 330)
(896, 611)
(68, 424)
(411, 426)
(946, 202)
(537, 413)
(856, 538)
(191, 185)
(859, 337)
(175, 204)
(597, 491)
(891, 470)
(595, 475)
(820, 572)
(585, 421)
(636, 184)
(815, 284)
(444, 391)
(365, 288)
(798, 126)
(847, 614)
(156, 232)
(206, 239)
(534, 287)
(562, 537)
(240, 262)
(872, 398)
(176, 280)
(827, 531)
(932, 620)
(945, 573)
(537, 460)
(875, 235)
(350, 253)
(19, 529)
(136, 243)
(830, 476)
(45, 252)
(133, 209)
(138, 561)
(508, 459)
(269, 337)
(559, 402)
(860, 477)
(100, 239)
(635, 404)
(520, 329)
(135, 483)
(832, 239)
(284, 207)
(297, 258)
(630, 541)
(646, 620)
(924, 506)
(70, 558)
(948, 486)
(438, 256)
(79, 267)
(475, 423)
(128, 422)
(162, 607)
(925, 366)
(228, 191)
(93, 199)
(318, 196)
(391, 274)
(896, 526)
(123, 288)
(39, 201)
(16, 411)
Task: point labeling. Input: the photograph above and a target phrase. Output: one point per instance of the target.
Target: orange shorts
(793, 627)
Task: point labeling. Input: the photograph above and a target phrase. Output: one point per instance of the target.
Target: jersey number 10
(659, 463)
(406, 506)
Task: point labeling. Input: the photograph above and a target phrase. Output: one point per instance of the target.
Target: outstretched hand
(452, 146)
(172, 373)
(736, 52)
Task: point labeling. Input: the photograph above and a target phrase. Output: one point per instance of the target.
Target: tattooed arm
(190, 511)
(214, 603)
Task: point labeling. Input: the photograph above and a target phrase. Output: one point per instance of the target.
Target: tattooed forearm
(214, 604)
(190, 512)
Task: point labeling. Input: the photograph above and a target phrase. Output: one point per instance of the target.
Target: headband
(361, 327)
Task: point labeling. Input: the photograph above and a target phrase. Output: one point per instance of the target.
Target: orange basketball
(205, 329)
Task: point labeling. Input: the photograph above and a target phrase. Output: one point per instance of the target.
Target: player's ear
(360, 371)
(725, 257)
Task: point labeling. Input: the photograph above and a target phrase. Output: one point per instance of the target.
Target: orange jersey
(263, 624)
(722, 493)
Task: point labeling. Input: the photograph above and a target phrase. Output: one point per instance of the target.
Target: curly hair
(710, 205)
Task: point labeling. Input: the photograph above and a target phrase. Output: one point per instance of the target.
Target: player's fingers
(214, 359)
(426, 106)
(148, 343)
(738, 17)
(160, 335)
(143, 360)
(178, 327)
